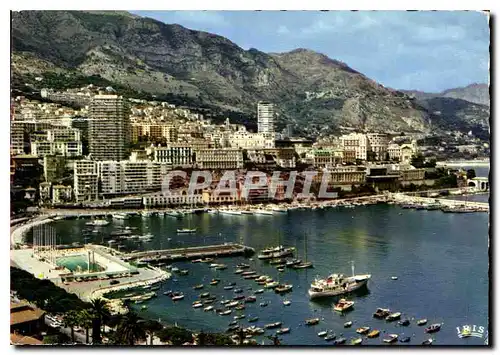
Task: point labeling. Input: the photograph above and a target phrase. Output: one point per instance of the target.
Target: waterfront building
(265, 117)
(219, 159)
(109, 130)
(85, 180)
(210, 198)
(130, 177)
(346, 176)
(61, 194)
(175, 154)
(326, 157)
(174, 199)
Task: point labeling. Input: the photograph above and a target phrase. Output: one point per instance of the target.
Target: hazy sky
(421, 50)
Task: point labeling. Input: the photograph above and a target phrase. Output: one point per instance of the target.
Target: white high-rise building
(265, 117)
(109, 128)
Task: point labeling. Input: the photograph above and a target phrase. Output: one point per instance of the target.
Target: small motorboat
(240, 307)
(422, 322)
(243, 266)
(347, 324)
(232, 304)
(280, 269)
(362, 330)
(186, 230)
(292, 262)
(427, 342)
(404, 322)
(259, 291)
(240, 316)
(213, 266)
(238, 298)
(232, 328)
(283, 288)
(177, 298)
(144, 307)
(223, 302)
(197, 287)
(286, 303)
(209, 308)
(196, 261)
(343, 305)
(238, 271)
(330, 337)
(208, 301)
(373, 334)
(184, 272)
(238, 290)
(340, 341)
(250, 299)
(381, 313)
(405, 339)
(214, 282)
(273, 325)
(312, 321)
(391, 338)
(233, 323)
(393, 316)
(168, 293)
(283, 331)
(303, 265)
(197, 305)
(253, 319)
(228, 287)
(356, 341)
(394, 277)
(225, 313)
(221, 267)
(263, 304)
(272, 284)
(433, 328)
(205, 295)
(322, 333)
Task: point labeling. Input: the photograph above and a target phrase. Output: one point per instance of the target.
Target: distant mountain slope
(475, 93)
(312, 92)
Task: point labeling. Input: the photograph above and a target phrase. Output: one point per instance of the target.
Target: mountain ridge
(317, 95)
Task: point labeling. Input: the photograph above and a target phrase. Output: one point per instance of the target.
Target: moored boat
(312, 321)
(198, 287)
(343, 305)
(356, 341)
(253, 319)
(330, 337)
(273, 325)
(405, 339)
(283, 288)
(433, 328)
(283, 331)
(422, 322)
(208, 309)
(339, 341)
(373, 334)
(287, 303)
(322, 333)
(427, 342)
(381, 313)
(177, 298)
(362, 330)
(404, 322)
(390, 338)
(186, 231)
(348, 324)
(393, 316)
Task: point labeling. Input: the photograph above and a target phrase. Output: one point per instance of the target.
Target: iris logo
(467, 331)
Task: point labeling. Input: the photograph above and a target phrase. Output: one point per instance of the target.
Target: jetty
(170, 255)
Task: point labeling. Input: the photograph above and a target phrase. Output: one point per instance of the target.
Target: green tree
(71, 321)
(417, 161)
(85, 318)
(100, 312)
(130, 330)
(176, 335)
(151, 327)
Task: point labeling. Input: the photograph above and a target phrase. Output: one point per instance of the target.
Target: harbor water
(440, 261)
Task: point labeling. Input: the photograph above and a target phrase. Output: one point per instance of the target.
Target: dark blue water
(440, 259)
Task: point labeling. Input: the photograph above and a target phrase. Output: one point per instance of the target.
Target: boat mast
(305, 246)
(352, 267)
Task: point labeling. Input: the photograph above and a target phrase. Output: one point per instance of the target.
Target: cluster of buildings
(110, 146)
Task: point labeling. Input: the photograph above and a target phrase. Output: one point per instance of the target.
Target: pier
(222, 250)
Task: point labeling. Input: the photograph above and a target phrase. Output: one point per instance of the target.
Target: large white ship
(337, 284)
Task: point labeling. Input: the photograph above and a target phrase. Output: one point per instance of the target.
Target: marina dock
(222, 250)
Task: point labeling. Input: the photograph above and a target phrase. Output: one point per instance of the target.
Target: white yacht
(262, 212)
(121, 216)
(337, 284)
(98, 222)
(233, 212)
(279, 209)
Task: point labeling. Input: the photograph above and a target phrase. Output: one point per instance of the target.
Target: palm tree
(151, 327)
(71, 321)
(130, 330)
(100, 312)
(85, 318)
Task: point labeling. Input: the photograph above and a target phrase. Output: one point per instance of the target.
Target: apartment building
(61, 194)
(247, 140)
(109, 128)
(86, 180)
(377, 143)
(175, 199)
(63, 141)
(175, 154)
(265, 117)
(219, 158)
(355, 144)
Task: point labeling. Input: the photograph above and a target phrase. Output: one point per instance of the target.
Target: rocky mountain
(312, 92)
(475, 93)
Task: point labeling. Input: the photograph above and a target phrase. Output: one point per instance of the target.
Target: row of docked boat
(444, 208)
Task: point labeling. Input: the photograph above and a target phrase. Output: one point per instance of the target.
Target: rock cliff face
(312, 92)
